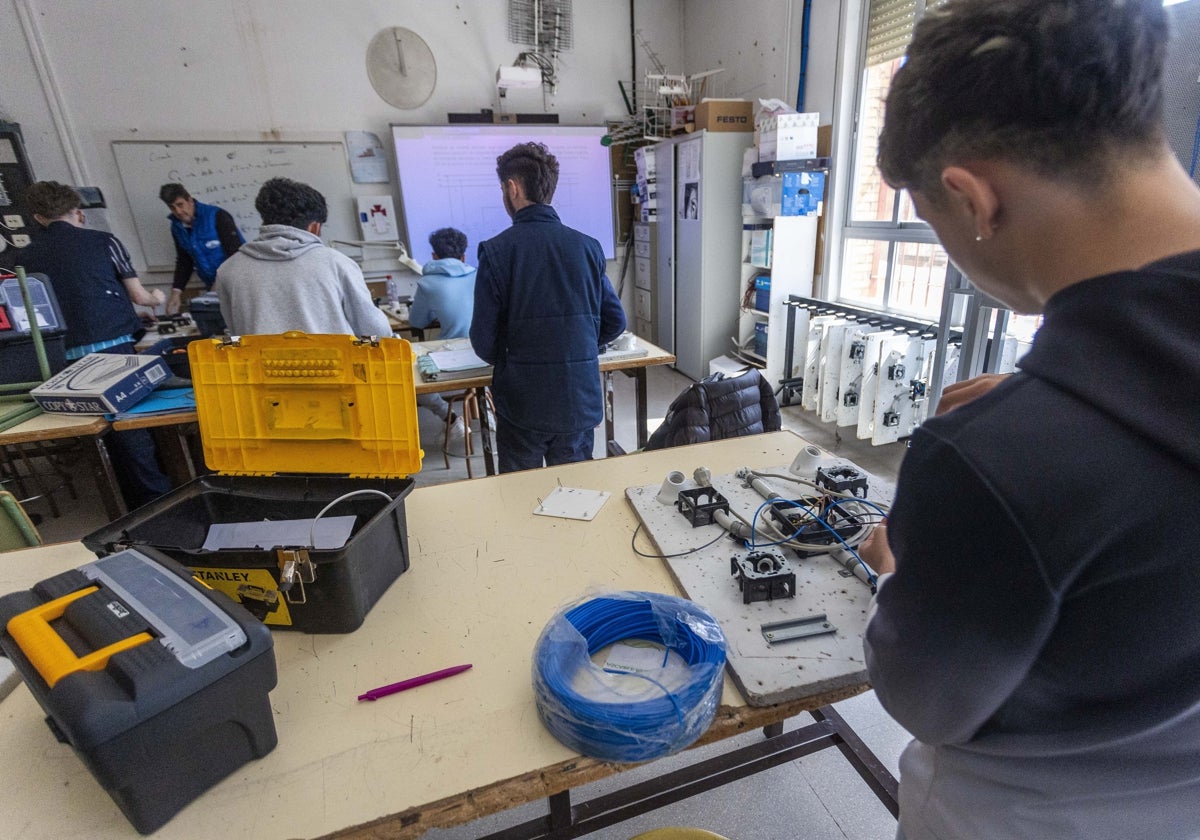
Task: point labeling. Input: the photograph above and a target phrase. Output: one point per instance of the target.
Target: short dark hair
(448, 243)
(170, 193)
(282, 201)
(51, 199)
(1058, 85)
(533, 167)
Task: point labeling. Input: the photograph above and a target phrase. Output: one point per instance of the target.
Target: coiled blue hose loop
(581, 703)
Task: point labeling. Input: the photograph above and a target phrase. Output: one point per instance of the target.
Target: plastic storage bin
(274, 410)
(177, 697)
(205, 310)
(18, 361)
(174, 352)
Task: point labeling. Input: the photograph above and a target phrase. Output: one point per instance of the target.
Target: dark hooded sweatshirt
(1041, 635)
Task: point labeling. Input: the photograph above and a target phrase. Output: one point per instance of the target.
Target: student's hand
(174, 302)
(961, 393)
(876, 552)
(158, 297)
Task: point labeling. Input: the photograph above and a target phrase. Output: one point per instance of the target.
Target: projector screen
(448, 179)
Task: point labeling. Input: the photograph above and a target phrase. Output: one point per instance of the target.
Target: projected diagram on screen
(448, 179)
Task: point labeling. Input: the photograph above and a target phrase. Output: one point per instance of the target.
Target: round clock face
(401, 68)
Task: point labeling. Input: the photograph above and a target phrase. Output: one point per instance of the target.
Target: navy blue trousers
(522, 449)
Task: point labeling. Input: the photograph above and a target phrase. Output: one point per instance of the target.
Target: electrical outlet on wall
(14, 222)
(20, 240)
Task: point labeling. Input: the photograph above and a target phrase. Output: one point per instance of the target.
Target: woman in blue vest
(205, 236)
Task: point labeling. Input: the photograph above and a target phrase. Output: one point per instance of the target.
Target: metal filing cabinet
(645, 249)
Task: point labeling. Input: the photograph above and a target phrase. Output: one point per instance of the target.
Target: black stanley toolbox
(300, 427)
(158, 683)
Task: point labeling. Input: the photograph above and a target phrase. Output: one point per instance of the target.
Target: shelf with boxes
(783, 194)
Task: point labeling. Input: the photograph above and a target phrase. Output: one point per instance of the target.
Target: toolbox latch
(295, 567)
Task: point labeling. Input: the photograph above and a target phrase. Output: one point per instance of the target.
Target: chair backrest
(16, 528)
(719, 407)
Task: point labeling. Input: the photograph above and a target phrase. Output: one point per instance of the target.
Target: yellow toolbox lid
(300, 403)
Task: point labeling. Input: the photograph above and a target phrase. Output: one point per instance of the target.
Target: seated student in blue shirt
(446, 294)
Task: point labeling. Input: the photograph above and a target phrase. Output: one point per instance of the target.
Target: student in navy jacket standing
(96, 286)
(543, 309)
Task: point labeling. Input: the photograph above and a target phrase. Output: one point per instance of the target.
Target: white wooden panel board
(766, 674)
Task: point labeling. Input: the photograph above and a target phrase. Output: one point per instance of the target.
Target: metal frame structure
(566, 820)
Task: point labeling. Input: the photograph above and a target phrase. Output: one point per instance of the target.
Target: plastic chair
(679, 833)
(16, 528)
(468, 410)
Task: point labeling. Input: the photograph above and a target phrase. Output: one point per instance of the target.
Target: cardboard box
(681, 116)
(788, 136)
(725, 115)
(101, 383)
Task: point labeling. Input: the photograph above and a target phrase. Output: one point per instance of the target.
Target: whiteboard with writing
(229, 176)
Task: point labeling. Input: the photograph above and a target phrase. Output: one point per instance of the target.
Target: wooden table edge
(500, 796)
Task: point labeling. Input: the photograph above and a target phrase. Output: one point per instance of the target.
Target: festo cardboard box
(725, 115)
(101, 383)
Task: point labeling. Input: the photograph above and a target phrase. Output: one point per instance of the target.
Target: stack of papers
(162, 401)
(455, 361)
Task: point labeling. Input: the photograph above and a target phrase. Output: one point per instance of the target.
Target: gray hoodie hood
(280, 243)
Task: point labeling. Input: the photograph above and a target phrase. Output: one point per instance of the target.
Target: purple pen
(413, 682)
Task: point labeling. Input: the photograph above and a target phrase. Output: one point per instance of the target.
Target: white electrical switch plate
(14, 222)
(572, 503)
(20, 240)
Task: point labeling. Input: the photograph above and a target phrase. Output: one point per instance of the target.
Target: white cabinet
(645, 280)
(699, 245)
(779, 251)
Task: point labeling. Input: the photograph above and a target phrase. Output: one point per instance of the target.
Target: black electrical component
(843, 478)
(858, 350)
(699, 505)
(801, 525)
(891, 419)
(763, 576)
(850, 399)
(896, 372)
(917, 390)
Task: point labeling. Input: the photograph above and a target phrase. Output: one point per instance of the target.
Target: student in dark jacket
(543, 309)
(96, 286)
(1036, 626)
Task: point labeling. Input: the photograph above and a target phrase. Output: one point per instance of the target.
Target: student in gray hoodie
(288, 279)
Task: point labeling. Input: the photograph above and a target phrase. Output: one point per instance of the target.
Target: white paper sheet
(331, 532)
(459, 359)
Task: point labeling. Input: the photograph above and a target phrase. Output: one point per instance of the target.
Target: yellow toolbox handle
(48, 652)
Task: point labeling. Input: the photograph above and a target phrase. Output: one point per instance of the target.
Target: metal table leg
(485, 431)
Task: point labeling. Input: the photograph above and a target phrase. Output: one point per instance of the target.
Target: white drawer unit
(641, 304)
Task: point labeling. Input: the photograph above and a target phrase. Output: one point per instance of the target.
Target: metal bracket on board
(797, 628)
(295, 567)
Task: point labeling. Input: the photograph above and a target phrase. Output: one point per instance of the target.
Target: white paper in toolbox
(100, 383)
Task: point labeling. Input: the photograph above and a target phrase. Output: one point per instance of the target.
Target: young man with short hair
(543, 309)
(1038, 636)
(96, 286)
(288, 279)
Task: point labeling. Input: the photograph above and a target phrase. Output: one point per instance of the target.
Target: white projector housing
(518, 77)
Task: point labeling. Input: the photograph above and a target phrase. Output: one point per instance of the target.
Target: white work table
(486, 576)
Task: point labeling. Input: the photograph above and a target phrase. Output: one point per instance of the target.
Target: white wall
(265, 69)
(757, 43)
(294, 69)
